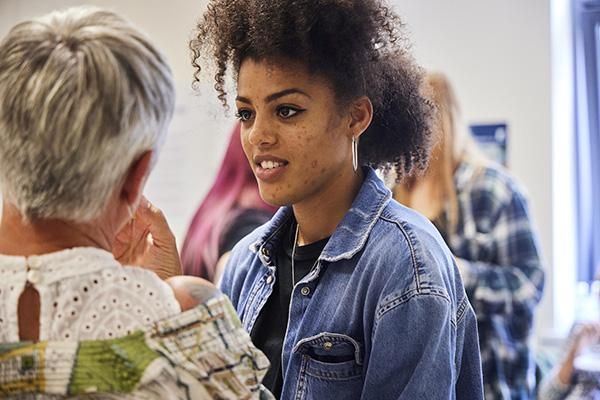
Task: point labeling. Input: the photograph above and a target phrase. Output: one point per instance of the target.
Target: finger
(140, 246)
(156, 222)
(150, 214)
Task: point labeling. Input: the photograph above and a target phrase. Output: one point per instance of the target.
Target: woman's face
(295, 135)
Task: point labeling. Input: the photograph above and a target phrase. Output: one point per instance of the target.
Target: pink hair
(220, 206)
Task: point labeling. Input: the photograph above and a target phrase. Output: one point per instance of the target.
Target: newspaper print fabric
(203, 353)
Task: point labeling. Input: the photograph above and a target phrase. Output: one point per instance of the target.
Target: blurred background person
(567, 381)
(85, 102)
(483, 216)
(232, 209)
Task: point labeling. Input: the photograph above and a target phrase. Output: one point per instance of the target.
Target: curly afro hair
(357, 45)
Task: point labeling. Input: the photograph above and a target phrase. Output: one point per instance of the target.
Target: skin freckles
(305, 127)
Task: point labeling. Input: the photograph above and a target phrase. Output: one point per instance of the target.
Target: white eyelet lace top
(85, 294)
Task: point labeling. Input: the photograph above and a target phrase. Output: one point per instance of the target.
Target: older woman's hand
(148, 242)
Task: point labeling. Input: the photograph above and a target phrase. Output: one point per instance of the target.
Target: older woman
(85, 101)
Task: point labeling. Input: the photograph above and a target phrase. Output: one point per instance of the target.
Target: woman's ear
(133, 187)
(361, 115)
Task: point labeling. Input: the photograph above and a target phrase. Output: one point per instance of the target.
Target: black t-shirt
(271, 325)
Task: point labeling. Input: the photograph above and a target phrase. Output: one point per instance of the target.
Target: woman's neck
(319, 215)
(20, 237)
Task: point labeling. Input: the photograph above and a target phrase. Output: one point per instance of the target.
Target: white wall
(496, 52)
(169, 23)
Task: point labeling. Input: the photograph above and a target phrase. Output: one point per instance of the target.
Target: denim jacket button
(269, 279)
(305, 291)
(264, 252)
(327, 345)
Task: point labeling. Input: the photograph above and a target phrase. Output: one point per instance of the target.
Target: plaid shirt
(498, 256)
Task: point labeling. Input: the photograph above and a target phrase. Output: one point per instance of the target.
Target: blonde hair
(454, 144)
(82, 95)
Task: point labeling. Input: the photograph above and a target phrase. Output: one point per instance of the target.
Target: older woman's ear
(133, 187)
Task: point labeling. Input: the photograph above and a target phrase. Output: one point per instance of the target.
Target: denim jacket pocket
(331, 367)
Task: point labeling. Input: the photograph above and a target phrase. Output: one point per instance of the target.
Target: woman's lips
(269, 169)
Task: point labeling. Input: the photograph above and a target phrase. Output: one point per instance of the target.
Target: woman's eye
(287, 112)
(243, 115)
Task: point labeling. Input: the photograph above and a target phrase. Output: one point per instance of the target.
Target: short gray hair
(82, 95)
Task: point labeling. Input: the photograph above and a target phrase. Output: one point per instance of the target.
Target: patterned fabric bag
(203, 353)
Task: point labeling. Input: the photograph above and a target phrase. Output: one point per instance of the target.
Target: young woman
(232, 209)
(348, 293)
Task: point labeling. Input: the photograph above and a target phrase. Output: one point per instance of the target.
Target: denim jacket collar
(350, 235)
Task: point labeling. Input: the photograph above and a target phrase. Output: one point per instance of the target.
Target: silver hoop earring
(354, 154)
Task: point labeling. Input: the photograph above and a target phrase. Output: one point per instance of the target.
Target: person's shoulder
(495, 181)
(408, 224)
(147, 283)
(415, 263)
(409, 241)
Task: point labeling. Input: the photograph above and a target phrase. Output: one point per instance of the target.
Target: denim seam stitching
(404, 298)
(332, 378)
(461, 310)
(260, 306)
(352, 252)
(410, 246)
(300, 383)
(334, 337)
(248, 307)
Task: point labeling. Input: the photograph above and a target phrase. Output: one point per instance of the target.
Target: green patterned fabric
(200, 353)
(111, 365)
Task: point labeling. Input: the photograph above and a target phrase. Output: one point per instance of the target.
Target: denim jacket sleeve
(419, 330)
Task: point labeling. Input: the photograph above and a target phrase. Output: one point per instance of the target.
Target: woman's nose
(261, 133)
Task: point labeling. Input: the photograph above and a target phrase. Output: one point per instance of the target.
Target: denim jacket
(383, 315)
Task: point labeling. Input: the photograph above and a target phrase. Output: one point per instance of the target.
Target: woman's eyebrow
(285, 92)
(272, 97)
(243, 99)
